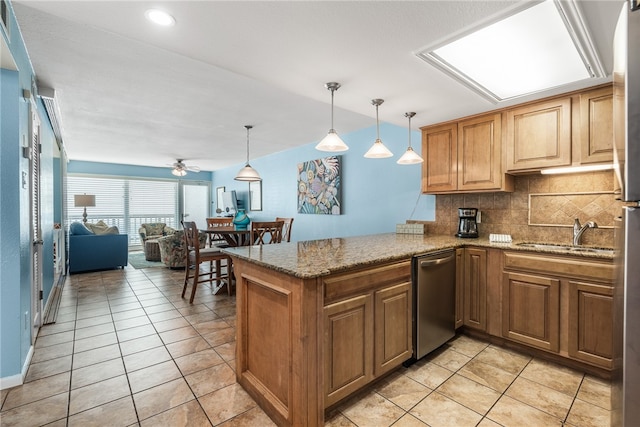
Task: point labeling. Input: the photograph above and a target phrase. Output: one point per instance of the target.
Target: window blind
(124, 202)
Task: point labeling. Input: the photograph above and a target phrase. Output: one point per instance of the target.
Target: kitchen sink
(567, 248)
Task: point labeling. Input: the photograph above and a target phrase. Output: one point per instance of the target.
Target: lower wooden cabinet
(459, 288)
(560, 304)
(367, 327)
(591, 323)
(475, 288)
(392, 327)
(531, 310)
(348, 346)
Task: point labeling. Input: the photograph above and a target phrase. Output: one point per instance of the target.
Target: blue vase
(241, 220)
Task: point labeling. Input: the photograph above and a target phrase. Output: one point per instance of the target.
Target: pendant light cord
(332, 90)
(377, 124)
(248, 127)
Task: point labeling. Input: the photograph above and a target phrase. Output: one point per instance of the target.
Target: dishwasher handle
(432, 262)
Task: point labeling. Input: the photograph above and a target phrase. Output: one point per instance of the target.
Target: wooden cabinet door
(591, 323)
(596, 126)
(539, 135)
(348, 327)
(531, 310)
(475, 288)
(480, 153)
(440, 153)
(392, 327)
(459, 287)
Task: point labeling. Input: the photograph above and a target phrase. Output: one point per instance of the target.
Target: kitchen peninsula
(318, 320)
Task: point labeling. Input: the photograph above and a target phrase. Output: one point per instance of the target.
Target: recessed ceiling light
(542, 47)
(160, 17)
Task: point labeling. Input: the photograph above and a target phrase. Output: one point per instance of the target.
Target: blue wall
(15, 239)
(377, 193)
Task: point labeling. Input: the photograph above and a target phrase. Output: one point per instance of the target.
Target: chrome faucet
(578, 230)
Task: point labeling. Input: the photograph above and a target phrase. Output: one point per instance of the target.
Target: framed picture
(219, 202)
(255, 196)
(319, 186)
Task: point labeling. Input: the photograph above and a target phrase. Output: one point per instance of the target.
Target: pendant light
(378, 150)
(247, 173)
(409, 157)
(332, 141)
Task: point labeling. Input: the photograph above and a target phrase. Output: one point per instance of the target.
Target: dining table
(231, 235)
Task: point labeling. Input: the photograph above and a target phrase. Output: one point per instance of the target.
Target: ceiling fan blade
(193, 168)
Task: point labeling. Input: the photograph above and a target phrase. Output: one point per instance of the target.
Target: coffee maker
(467, 227)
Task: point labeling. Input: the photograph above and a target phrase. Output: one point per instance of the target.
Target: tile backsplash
(509, 213)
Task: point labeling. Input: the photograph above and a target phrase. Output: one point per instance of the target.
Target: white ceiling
(134, 93)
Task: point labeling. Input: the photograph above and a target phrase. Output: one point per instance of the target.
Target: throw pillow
(78, 229)
(102, 227)
(111, 230)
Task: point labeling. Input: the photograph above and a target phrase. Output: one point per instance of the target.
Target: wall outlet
(479, 217)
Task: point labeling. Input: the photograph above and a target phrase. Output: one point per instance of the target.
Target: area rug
(137, 261)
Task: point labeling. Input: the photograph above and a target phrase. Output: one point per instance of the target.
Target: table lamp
(82, 201)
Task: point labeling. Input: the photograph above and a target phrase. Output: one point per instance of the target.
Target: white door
(196, 202)
(36, 229)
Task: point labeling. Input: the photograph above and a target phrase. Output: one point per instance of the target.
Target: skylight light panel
(524, 53)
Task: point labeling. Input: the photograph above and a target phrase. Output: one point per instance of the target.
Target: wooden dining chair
(266, 232)
(213, 223)
(195, 256)
(286, 228)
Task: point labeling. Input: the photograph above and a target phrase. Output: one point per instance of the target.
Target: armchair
(149, 233)
(173, 251)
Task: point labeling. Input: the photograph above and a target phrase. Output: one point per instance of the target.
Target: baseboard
(16, 380)
(53, 302)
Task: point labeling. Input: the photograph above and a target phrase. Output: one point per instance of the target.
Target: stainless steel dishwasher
(434, 287)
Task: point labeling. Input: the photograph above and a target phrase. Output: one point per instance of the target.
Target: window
(125, 202)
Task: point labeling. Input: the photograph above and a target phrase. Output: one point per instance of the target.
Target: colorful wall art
(319, 186)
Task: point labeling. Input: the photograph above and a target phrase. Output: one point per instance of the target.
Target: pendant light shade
(247, 173)
(409, 157)
(332, 141)
(378, 150)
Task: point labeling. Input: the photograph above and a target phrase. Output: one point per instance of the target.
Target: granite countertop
(314, 258)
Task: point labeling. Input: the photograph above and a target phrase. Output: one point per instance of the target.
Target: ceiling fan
(181, 169)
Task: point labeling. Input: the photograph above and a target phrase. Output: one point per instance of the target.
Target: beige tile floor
(128, 350)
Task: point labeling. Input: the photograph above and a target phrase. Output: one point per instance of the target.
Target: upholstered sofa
(90, 251)
(173, 250)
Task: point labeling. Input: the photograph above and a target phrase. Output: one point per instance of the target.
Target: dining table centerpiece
(241, 220)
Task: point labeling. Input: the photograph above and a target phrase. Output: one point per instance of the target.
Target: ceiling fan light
(247, 173)
(378, 151)
(332, 142)
(410, 157)
(178, 172)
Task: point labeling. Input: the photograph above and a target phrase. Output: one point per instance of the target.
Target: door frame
(181, 196)
(35, 221)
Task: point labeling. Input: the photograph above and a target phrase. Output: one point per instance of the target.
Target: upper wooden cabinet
(596, 125)
(539, 135)
(464, 156)
(480, 153)
(440, 166)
